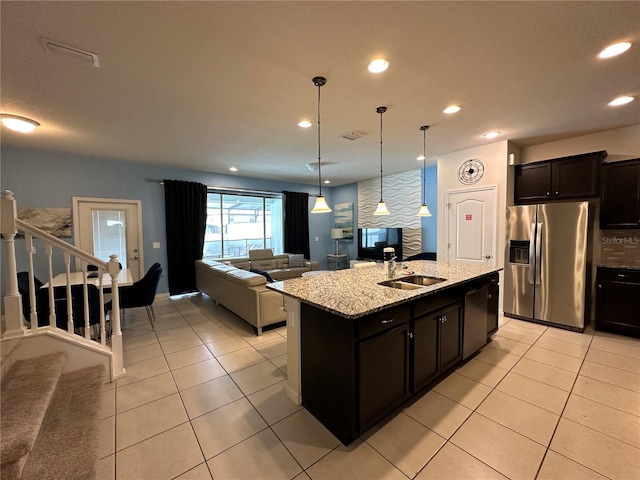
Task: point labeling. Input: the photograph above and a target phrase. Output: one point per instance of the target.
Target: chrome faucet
(390, 267)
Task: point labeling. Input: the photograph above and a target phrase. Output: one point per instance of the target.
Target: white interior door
(471, 225)
(103, 226)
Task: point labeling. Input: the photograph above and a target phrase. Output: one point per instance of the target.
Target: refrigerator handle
(531, 254)
(538, 253)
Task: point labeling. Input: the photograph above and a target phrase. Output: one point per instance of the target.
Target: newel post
(117, 363)
(12, 299)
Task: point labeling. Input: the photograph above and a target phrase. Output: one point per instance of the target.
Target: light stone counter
(354, 292)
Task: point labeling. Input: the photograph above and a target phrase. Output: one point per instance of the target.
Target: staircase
(49, 417)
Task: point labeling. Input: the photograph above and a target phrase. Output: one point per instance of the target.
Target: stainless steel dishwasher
(474, 330)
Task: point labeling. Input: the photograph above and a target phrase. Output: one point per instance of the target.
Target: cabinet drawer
(618, 274)
(380, 321)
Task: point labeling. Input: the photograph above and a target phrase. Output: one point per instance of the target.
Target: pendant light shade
(424, 210)
(382, 208)
(321, 204)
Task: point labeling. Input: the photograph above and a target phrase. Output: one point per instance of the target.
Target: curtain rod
(228, 189)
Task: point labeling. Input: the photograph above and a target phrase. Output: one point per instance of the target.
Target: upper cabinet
(620, 206)
(565, 178)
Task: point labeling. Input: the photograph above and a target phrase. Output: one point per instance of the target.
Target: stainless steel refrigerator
(547, 264)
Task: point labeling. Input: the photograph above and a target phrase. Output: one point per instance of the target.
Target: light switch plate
(156, 244)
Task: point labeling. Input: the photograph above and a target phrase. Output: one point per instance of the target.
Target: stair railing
(15, 323)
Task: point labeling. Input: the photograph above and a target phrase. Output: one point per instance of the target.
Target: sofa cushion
(296, 260)
(263, 273)
(263, 264)
(243, 277)
(261, 254)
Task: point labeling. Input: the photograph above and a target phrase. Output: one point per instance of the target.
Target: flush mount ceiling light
(620, 101)
(492, 134)
(378, 65)
(304, 124)
(321, 204)
(18, 124)
(233, 169)
(614, 50)
(424, 210)
(327, 181)
(452, 109)
(382, 208)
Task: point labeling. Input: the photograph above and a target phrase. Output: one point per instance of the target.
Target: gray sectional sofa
(230, 283)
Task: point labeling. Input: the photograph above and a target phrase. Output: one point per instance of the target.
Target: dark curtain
(185, 206)
(296, 223)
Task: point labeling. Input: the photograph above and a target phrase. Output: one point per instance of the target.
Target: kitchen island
(357, 349)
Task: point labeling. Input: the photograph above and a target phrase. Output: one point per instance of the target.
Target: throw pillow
(296, 260)
(263, 273)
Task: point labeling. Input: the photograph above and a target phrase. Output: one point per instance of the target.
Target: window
(239, 222)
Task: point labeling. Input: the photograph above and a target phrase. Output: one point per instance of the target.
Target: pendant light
(382, 208)
(321, 204)
(424, 210)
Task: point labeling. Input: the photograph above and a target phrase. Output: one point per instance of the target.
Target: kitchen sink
(411, 282)
(400, 285)
(421, 280)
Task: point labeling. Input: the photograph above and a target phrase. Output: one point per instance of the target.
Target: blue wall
(50, 179)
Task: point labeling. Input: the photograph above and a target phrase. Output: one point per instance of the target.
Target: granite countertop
(354, 292)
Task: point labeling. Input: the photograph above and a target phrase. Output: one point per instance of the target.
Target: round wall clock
(471, 171)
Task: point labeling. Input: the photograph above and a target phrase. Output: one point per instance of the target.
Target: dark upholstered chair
(60, 297)
(141, 293)
(422, 256)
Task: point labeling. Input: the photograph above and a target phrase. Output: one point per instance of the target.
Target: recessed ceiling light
(451, 109)
(327, 181)
(378, 65)
(420, 157)
(19, 124)
(492, 134)
(615, 49)
(304, 124)
(620, 101)
(233, 169)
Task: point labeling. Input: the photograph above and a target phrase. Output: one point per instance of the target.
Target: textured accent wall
(402, 195)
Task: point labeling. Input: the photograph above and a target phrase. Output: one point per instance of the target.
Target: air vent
(353, 135)
(71, 53)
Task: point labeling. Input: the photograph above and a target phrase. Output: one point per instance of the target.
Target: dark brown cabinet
(436, 345)
(617, 305)
(492, 308)
(565, 178)
(384, 356)
(620, 207)
(356, 371)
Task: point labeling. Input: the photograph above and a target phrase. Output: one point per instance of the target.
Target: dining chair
(141, 293)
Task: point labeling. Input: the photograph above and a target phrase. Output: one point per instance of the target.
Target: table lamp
(337, 234)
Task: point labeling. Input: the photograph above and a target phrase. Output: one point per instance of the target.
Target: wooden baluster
(52, 300)
(116, 335)
(67, 263)
(85, 294)
(33, 311)
(12, 299)
(103, 332)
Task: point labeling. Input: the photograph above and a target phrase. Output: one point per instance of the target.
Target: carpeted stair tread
(67, 446)
(27, 390)
(6, 359)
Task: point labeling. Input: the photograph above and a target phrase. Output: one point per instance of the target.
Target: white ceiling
(209, 85)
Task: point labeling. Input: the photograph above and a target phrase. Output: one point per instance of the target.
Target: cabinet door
(532, 183)
(425, 350)
(621, 195)
(450, 338)
(492, 309)
(576, 177)
(384, 374)
(617, 303)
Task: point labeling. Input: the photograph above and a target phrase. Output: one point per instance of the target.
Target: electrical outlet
(156, 244)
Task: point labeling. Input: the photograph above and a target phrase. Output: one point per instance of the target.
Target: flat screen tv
(372, 241)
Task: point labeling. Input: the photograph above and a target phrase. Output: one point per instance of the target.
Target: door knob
(135, 257)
